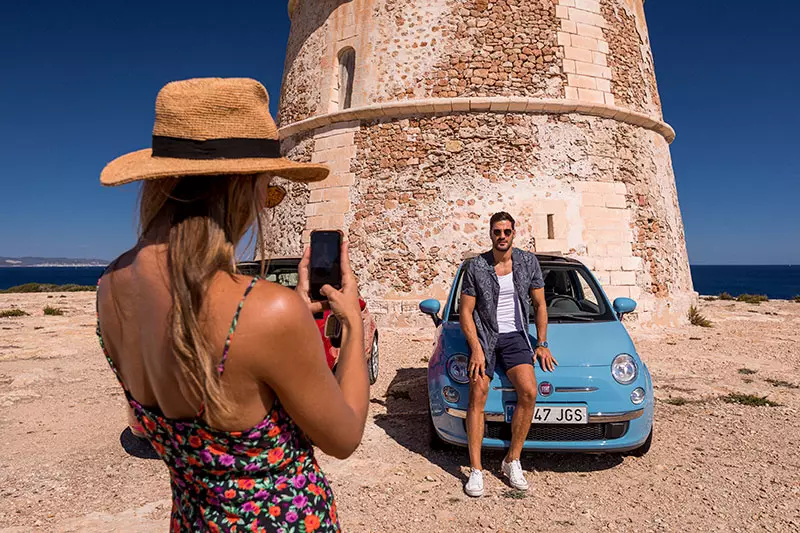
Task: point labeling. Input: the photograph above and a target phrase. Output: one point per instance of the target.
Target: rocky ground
(714, 466)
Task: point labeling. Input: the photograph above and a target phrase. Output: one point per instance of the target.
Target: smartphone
(326, 256)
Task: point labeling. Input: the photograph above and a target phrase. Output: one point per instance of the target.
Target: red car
(284, 271)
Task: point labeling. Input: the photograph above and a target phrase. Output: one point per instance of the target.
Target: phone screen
(325, 268)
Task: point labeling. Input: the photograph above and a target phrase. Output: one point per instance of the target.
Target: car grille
(560, 432)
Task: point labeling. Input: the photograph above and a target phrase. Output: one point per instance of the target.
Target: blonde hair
(208, 216)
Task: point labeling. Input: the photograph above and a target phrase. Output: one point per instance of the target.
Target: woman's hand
(304, 285)
(343, 303)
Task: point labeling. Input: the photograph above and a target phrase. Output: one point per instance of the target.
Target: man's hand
(477, 365)
(546, 359)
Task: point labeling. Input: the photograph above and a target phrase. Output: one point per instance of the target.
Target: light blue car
(598, 399)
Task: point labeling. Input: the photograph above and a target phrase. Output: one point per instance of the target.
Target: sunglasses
(275, 195)
(506, 232)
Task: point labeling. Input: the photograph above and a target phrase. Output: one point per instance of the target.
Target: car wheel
(644, 448)
(374, 361)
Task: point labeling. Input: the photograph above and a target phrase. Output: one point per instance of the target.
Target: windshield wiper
(571, 317)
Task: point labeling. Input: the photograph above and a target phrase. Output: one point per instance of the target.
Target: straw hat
(211, 126)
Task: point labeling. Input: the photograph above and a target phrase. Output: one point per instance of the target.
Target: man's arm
(477, 361)
(546, 359)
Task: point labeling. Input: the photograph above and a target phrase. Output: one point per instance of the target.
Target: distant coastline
(51, 262)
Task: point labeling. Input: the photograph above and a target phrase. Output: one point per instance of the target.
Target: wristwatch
(542, 344)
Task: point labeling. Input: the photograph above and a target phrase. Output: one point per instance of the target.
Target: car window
(571, 294)
(453, 317)
(287, 279)
(277, 272)
(586, 291)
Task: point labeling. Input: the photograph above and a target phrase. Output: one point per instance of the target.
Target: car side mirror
(431, 307)
(623, 306)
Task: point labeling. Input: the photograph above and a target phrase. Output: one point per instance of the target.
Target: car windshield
(277, 272)
(571, 293)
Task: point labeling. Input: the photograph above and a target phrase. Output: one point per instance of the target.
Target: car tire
(374, 362)
(435, 442)
(644, 448)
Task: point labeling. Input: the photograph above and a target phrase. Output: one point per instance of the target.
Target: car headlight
(624, 369)
(458, 368)
(637, 396)
(450, 394)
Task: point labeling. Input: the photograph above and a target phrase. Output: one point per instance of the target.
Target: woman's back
(136, 291)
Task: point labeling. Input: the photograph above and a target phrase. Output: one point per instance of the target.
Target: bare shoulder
(275, 322)
(275, 303)
(114, 279)
(271, 314)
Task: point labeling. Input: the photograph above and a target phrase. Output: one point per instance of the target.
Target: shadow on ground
(406, 421)
(137, 446)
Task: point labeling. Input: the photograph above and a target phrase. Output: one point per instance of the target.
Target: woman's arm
(331, 410)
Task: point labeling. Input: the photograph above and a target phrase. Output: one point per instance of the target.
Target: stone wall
(630, 58)
(498, 48)
(425, 188)
(547, 109)
(421, 49)
(303, 76)
(596, 51)
(284, 225)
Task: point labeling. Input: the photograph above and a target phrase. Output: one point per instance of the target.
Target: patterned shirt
(481, 281)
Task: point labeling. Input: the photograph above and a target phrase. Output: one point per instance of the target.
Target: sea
(12, 276)
(777, 282)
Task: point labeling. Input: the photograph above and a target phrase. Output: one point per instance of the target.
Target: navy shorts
(512, 349)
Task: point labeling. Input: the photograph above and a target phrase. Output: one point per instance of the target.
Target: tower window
(551, 230)
(347, 69)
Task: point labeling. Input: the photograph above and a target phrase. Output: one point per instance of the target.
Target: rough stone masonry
(547, 109)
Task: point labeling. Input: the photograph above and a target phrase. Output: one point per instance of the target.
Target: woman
(227, 374)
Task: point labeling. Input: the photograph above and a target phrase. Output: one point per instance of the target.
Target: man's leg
(478, 392)
(524, 381)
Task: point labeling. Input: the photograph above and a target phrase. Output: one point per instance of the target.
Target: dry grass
(751, 400)
(48, 287)
(752, 298)
(781, 383)
(697, 319)
(678, 400)
(725, 296)
(53, 311)
(12, 313)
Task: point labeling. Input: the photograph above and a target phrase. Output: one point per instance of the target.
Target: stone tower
(434, 114)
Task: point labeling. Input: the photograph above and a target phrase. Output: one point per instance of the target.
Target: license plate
(553, 414)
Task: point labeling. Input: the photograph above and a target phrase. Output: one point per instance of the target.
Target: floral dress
(263, 479)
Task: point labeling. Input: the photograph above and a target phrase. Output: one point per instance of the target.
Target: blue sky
(79, 80)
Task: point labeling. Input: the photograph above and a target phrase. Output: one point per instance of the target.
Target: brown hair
(499, 217)
(208, 216)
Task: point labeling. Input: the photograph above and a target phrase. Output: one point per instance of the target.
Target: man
(496, 295)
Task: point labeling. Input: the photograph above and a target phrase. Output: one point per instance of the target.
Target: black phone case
(316, 285)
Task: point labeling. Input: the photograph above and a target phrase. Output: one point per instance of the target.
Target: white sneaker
(474, 486)
(513, 471)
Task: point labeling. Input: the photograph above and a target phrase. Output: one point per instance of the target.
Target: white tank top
(507, 305)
